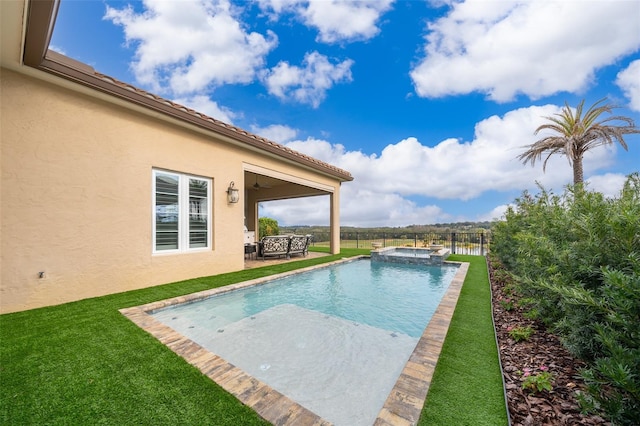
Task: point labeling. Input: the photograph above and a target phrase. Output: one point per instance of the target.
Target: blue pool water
(334, 339)
(399, 298)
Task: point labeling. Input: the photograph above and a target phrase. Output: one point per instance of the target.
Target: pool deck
(402, 407)
(256, 262)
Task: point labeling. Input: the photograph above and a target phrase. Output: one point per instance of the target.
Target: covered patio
(254, 261)
(263, 185)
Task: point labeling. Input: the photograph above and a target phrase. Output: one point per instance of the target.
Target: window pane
(181, 209)
(198, 188)
(166, 240)
(167, 211)
(167, 184)
(198, 214)
(197, 239)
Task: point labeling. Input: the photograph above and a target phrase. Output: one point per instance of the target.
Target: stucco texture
(77, 199)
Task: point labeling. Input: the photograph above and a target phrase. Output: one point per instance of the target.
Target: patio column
(334, 222)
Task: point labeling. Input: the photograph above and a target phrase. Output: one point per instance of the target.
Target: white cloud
(276, 132)
(372, 207)
(323, 150)
(610, 184)
(307, 84)
(335, 20)
(302, 211)
(358, 207)
(187, 46)
(452, 169)
(338, 20)
(276, 7)
(208, 107)
(496, 214)
(629, 82)
(536, 48)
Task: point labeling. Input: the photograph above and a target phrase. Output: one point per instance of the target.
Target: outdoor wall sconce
(233, 194)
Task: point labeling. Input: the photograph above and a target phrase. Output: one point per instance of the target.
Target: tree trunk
(578, 173)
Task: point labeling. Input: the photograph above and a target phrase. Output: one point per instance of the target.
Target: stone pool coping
(402, 407)
(427, 256)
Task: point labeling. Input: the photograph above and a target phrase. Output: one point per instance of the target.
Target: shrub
(539, 381)
(267, 226)
(576, 260)
(507, 304)
(521, 333)
(532, 314)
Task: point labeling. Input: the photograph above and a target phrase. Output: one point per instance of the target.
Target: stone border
(426, 256)
(405, 402)
(402, 407)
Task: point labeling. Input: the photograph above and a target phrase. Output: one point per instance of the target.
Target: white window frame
(184, 206)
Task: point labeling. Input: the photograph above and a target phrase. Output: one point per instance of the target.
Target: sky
(427, 103)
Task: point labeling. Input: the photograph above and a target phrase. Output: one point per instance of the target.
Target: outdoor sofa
(299, 244)
(283, 245)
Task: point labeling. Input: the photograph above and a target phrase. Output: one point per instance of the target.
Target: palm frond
(576, 133)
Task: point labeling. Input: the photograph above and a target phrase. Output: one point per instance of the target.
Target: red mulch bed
(556, 407)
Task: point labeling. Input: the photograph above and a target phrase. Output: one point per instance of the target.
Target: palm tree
(576, 134)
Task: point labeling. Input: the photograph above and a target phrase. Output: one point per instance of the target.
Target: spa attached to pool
(411, 255)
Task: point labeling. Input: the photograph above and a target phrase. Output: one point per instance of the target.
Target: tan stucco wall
(76, 195)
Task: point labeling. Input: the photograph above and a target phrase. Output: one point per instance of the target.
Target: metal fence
(475, 243)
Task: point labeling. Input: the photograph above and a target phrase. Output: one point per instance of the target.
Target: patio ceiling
(270, 188)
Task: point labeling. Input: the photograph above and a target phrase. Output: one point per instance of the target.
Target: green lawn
(85, 363)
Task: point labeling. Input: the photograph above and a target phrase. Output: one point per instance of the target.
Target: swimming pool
(333, 340)
(398, 298)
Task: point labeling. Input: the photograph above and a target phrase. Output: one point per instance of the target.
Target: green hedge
(576, 257)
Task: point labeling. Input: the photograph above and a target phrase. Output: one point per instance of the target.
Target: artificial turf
(85, 363)
(467, 386)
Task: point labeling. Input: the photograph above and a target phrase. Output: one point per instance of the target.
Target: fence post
(482, 244)
(357, 240)
(453, 243)
(415, 240)
(384, 239)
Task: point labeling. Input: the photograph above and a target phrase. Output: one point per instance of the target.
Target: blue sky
(426, 103)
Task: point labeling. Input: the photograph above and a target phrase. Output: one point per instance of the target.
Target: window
(181, 212)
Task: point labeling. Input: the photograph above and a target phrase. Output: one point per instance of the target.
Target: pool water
(393, 297)
(334, 339)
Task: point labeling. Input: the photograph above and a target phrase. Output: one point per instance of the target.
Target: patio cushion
(275, 245)
(299, 244)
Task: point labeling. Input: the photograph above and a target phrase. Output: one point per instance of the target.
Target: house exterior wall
(76, 195)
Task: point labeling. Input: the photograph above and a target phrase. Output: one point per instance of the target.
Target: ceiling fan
(257, 186)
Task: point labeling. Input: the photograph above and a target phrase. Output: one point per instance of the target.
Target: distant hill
(416, 229)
